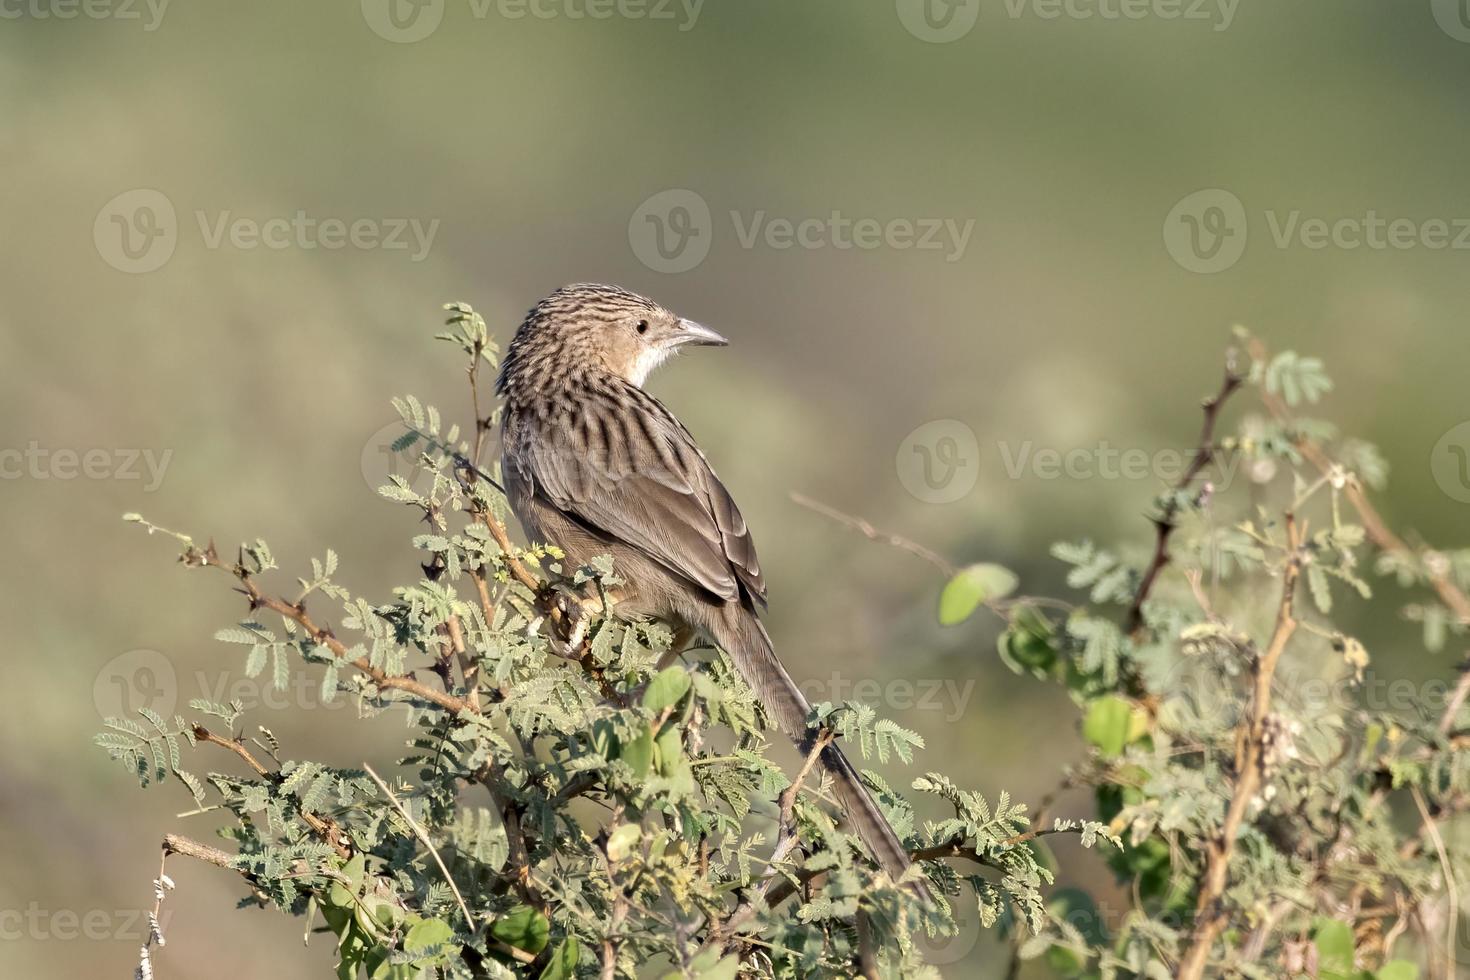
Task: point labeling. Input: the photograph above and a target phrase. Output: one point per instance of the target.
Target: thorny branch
(1167, 520)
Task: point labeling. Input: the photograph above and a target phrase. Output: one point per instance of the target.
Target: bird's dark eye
(643, 326)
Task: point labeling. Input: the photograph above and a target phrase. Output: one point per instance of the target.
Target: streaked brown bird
(597, 466)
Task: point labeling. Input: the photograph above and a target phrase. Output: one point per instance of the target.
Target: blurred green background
(538, 148)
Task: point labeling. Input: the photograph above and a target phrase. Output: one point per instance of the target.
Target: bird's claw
(571, 629)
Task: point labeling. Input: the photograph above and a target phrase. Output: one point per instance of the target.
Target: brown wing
(624, 466)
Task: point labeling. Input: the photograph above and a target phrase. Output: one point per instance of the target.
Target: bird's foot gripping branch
(581, 800)
(577, 800)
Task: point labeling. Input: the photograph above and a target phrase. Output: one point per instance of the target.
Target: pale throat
(643, 365)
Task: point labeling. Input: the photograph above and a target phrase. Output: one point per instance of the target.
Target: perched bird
(597, 466)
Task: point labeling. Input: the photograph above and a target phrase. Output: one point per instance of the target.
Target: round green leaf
(426, 933)
(1108, 723)
(971, 586)
(524, 928)
(665, 690)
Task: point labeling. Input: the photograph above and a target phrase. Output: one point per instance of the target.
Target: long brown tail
(743, 637)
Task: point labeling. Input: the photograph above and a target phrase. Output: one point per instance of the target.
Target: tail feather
(745, 639)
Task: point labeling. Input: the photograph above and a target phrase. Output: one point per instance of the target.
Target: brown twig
(174, 844)
(1167, 520)
(325, 829)
(870, 532)
(482, 422)
(469, 669)
(203, 734)
(1210, 916)
(296, 612)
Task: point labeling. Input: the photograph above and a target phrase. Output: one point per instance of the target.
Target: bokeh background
(1087, 308)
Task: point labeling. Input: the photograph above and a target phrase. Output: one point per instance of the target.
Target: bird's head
(593, 327)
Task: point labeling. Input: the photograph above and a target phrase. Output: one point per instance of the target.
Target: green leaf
(340, 895)
(563, 965)
(1334, 942)
(669, 748)
(665, 690)
(726, 969)
(1109, 724)
(638, 753)
(524, 928)
(971, 586)
(1398, 970)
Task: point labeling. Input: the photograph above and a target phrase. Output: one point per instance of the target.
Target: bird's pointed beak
(697, 335)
